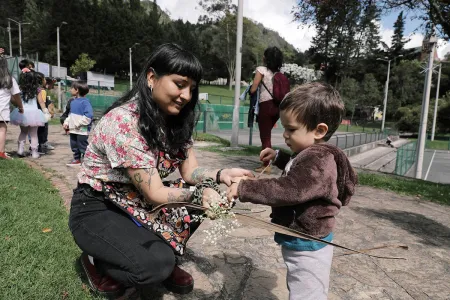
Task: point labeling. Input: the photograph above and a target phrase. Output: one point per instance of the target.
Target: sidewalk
(248, 264)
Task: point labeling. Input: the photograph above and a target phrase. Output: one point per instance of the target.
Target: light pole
(431, 44)
(386, 89)
(237, 84)
(131, 65)
(9, 33)
(20, 33)
(59, 64)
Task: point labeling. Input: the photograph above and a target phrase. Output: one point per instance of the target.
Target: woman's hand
(228, 176)
(267, 155)
(210, 197)
(20, 110)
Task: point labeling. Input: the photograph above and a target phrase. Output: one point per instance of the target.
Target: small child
(79, 120)
(317, 180)
(44, 146)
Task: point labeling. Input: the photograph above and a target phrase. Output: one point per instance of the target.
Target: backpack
(281, 87)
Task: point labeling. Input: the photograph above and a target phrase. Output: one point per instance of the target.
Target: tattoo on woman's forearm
(199, 174)
(182, 196)
(150, 173)
(138, 179)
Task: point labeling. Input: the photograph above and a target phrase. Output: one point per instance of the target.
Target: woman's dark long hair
(5, 77)
(29, 84)
(170, 134)
(273, 58)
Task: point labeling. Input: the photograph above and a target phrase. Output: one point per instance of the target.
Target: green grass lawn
(436, 145)
(436, 192)
(35, 265)
(221, 94)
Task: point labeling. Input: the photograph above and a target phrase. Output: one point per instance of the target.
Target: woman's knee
(155, 268)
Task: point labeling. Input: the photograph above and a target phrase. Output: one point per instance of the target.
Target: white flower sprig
(224, 219)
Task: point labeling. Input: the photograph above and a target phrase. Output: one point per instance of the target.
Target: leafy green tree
(371, 92)
(350, 93)
(443, 117)
(82, 64)
(398, 38)
(436, 12)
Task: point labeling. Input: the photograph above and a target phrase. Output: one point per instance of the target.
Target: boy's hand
(66, 126)
(267, 155)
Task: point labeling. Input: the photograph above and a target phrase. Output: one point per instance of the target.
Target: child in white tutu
(32, 117)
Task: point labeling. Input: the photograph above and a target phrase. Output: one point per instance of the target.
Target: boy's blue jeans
(78, 143)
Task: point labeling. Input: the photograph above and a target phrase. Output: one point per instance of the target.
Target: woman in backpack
(268, 109)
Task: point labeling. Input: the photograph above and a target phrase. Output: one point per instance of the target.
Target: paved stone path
(248, 264)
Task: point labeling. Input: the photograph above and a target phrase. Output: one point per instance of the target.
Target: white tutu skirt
(30, 117)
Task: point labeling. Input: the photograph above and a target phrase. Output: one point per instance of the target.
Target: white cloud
(276, 15)
(415, 40)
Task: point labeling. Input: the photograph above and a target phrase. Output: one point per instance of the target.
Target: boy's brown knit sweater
(309, 196)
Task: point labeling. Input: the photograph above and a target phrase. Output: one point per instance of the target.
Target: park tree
(435, 12)
(83, 64)
(346, 33)
(370, 91)
(398, 39)
(443, 117)
(350, 93)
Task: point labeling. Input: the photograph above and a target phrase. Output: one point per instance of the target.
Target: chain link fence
(406, 158)
(349, 140)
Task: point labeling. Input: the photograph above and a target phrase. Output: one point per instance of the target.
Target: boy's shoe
(20, 147)
(102, 284)
(74, 163)
(47, 146)
(267, 170)
(4, 155)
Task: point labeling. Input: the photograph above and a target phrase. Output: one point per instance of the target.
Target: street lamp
(59, 63)
(131, 67)
(386, 88)
(20, 34)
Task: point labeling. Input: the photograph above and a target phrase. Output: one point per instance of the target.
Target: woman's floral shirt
(117, 145)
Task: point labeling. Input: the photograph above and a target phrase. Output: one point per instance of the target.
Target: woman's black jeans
(130, 254)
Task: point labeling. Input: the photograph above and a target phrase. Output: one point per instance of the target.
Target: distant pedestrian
(9, 92)
(79, 121)
(267, 78)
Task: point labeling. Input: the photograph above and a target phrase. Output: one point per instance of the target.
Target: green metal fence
(406, 158)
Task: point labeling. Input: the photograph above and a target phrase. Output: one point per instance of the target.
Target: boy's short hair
(24, 63)
(81, 86)
(315, 103)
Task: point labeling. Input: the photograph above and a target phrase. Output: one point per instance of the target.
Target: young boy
(79, 121)
(317, 180)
